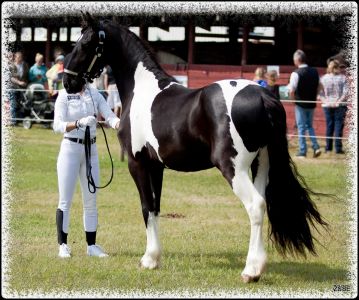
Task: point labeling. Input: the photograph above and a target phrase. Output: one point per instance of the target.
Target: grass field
(204, 250)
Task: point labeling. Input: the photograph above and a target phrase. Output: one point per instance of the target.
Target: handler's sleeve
(293, 82)
(106, 111)
(60, 114)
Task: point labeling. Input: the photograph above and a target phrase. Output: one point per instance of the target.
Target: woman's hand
(117, 126)
(87, 121)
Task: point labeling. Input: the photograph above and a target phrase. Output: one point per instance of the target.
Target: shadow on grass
(304, 271)
(308, 271)
(235, 261)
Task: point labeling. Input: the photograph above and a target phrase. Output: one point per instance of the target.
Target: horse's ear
(87, 20)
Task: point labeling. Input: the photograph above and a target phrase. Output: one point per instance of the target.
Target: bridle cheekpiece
(98, 54)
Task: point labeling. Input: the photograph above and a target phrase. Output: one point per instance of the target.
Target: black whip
(87, 142)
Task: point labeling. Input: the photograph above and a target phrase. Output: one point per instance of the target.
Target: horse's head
(85, 62)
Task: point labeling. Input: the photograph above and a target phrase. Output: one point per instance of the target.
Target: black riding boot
(61, 236)
(91, 238)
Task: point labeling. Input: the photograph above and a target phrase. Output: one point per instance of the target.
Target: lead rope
(87, 143)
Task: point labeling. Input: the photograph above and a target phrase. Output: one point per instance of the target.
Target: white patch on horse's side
(145, 90)
(243, 157)
(229, 91)
(152, 256)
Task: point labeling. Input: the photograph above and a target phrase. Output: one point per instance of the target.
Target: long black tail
(290, 209)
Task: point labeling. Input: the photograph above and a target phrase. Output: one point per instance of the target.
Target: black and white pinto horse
(234, 125)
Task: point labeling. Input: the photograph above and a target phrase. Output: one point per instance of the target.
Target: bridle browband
(98, 54)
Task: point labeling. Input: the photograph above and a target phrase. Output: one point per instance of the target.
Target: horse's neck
(139, 80)
(137, 69)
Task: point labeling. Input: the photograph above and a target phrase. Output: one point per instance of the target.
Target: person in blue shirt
(37, 73)
(259, 77)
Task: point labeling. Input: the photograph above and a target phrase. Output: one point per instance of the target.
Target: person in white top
(73, 112)
(333, 95)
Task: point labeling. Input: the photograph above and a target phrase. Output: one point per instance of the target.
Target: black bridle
(88, 76)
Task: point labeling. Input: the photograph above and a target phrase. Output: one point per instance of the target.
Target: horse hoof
(249, 279)
(148, 264)
(153, 267)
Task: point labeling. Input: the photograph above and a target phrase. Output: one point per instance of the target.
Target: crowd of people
(50, 79)
(305, 87)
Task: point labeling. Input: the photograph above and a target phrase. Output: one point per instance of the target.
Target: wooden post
(68, 34)
(190, 34)
(32, 33)
(48, 47)
(233, 43)
(245, 45)
(18, 34)
(300, 36)
(144, 32)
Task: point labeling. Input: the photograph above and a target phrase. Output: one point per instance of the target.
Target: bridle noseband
(98, 55)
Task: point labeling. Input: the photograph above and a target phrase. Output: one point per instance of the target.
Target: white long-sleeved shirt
(294, 79)
(72, 107)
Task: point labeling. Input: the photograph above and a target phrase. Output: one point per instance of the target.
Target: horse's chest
(145, 90)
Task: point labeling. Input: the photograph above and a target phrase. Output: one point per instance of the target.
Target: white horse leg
(257, 258)
(255, 206)
(151, 258)
(261, 179)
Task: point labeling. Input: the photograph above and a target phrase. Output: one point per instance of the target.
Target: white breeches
(71, 164)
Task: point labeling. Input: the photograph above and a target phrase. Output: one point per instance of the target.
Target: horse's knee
(243, 187)
(256, 211)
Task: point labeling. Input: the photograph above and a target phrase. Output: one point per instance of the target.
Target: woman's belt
(80, 141)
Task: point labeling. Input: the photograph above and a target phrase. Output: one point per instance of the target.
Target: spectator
(333, 94)
(57, 52)
(259, 77)
(54, 76)
(341, 57)
(303, 86)
(19, 78)
(37, 73)
(113, 98)
(271, 83)
(99, 83)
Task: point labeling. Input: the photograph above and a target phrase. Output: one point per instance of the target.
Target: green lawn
(203, 251)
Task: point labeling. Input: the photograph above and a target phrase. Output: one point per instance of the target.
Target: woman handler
(73, 112)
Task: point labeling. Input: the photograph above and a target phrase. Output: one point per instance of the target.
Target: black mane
(142, 51)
